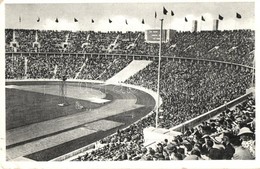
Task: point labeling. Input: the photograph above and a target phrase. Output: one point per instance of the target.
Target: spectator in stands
(229, 150)
(241, 153)
(246, 135)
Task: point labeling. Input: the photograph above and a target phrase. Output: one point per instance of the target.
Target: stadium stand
(230, 135)
(230, 46)
(188, 88)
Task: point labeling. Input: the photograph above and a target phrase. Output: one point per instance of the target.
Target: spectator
(241, 153)
(246, 135)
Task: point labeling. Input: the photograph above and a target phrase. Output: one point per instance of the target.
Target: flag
(75, 20)
(38, 20)
(142, 21)
(20, 19)
(165, 11)
(202, 18)
(92, 20)
(56, 20)
(109, 20)
(155, 15)
(220, 17)
(172, 14)
(186, 20)
(239, 16)
(126, 22)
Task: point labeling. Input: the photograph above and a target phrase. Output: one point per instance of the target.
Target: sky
(132, 12)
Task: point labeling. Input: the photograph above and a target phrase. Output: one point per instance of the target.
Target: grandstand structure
(114, 96)
(192, 64)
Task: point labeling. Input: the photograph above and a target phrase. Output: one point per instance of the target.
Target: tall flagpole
(201, 22)
(159, 71)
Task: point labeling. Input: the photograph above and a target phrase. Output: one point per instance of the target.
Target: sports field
(39, 129)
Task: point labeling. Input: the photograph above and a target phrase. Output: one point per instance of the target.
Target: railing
(134, 56)
(206, 116)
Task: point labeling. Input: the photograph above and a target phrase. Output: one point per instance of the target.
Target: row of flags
(143, 22)
(76, 20)
(165, 12)
(238, 16)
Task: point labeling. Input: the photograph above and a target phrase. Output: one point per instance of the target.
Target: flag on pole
(186, 20)
(172, 13)
(142, 21)
(155, 15)
(202, 18)
(238, 16)
(75, 20)
(38, 20)
(92, 20)
(56, 20)
(109, 20)
(126, 22)
(20, 19)
(220, 17)
(165, 11)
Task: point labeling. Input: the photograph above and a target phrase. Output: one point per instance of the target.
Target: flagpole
(201, 22)
(236, 24)
(218, 24)
(158, 80)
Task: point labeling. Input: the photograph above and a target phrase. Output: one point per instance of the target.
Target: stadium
(154, 94)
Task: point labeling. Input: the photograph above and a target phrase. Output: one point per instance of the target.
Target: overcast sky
(133, 12)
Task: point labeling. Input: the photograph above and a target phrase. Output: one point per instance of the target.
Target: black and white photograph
(165, 81)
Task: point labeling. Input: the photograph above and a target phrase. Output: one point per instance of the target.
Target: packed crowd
(231, 46)
(103, 69)
(228, 136)
(55, 66)
(189, 89)
(14, 66)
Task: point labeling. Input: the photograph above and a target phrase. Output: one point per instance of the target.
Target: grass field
(25, 107)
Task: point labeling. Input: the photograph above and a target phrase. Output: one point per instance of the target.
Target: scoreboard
(153, 35)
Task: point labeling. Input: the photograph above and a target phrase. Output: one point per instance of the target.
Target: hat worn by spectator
(191, 157)
(205, 136)
(239, 119)
(244, 130)
(218, 139)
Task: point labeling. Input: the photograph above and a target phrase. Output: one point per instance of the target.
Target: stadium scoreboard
(153, 35)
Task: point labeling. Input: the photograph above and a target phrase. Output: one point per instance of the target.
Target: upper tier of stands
(231, 46)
